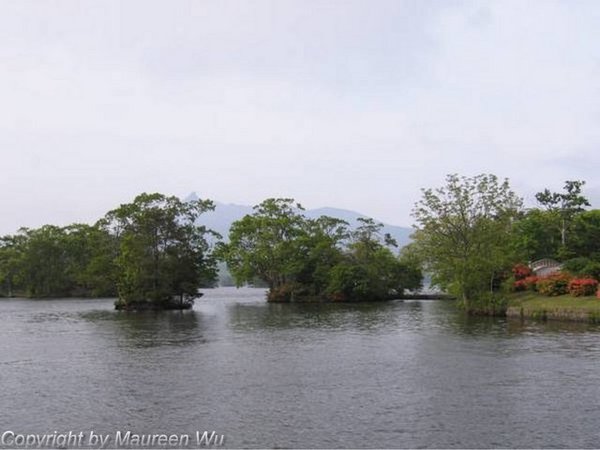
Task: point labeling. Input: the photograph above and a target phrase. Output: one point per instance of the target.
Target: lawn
(563, 307)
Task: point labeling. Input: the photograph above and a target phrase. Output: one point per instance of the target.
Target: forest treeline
(148, 252)
(155, 251)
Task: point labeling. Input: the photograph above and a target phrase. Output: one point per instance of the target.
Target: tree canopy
(562, 207)
(463, 233)
(316, 259)
(53, 261)
(163, 256)
(151, 253)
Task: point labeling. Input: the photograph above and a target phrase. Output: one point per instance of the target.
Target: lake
(394, 374)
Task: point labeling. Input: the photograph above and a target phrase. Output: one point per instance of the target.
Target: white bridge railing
(545, 266)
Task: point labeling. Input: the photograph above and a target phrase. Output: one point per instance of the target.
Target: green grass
(563, 307)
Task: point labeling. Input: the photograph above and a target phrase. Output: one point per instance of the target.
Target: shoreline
(530, 305)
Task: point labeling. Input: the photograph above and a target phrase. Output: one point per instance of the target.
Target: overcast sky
(351, 104)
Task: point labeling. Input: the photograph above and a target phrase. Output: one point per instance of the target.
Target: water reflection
(151, 328)
(517, 326)
(362, 317)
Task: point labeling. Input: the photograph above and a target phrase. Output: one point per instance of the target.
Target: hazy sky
(352, 104)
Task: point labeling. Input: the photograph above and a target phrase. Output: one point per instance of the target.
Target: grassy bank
(531, 305)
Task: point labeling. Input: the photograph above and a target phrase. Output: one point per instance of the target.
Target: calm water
(398, 374)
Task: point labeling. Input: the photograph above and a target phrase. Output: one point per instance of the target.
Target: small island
(163, 254)
(151, 254)
(317, 260)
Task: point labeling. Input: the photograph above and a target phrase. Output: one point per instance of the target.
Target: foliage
(163, 254)
(315, 259)
(489, 304)
(536, 235)
(592, 270)
(463, 233)
(582, 267)
(564, 206)
(522, 279)
(526, 284)
(555, 284)
(584, 238)
(521, 271)
(579, 287)
(370, 271)
(276, 245)
(11, 263)
(51, 261)
(92, 263)
(575, 265)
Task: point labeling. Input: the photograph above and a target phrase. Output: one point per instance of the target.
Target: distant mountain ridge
(224, 215)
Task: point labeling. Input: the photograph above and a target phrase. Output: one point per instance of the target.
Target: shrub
(531, 282)
(575, 265)
(350, 283)
(521, 271)
(284, 293)
(488, 304)
(592, 270)
(527, 284)
(555, 284)
(519, 285)
(579, 287)
(582, 268)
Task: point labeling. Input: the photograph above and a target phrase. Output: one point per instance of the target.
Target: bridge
(545, 266)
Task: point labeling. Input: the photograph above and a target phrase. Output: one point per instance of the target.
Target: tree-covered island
(163, 256)
(302, 259)
(150, 253)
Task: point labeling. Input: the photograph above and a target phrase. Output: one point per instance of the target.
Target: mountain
(401, 234)
(224, 215)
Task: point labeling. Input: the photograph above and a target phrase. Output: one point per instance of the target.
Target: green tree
(12, 249)
(564, 206)
(164, 256)
(51, 261)
(45, 262)
(280, 246)
(535, 236)
(585, 235)
(91, 262)
(321, 244)
(463, 233)
(313, 259)
(370, 270)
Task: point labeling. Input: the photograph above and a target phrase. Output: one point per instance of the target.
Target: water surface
(397, 374)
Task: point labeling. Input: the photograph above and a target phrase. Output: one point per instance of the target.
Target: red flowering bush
(526, 284)
(580, 287)
(555, 284)
(521, 271)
